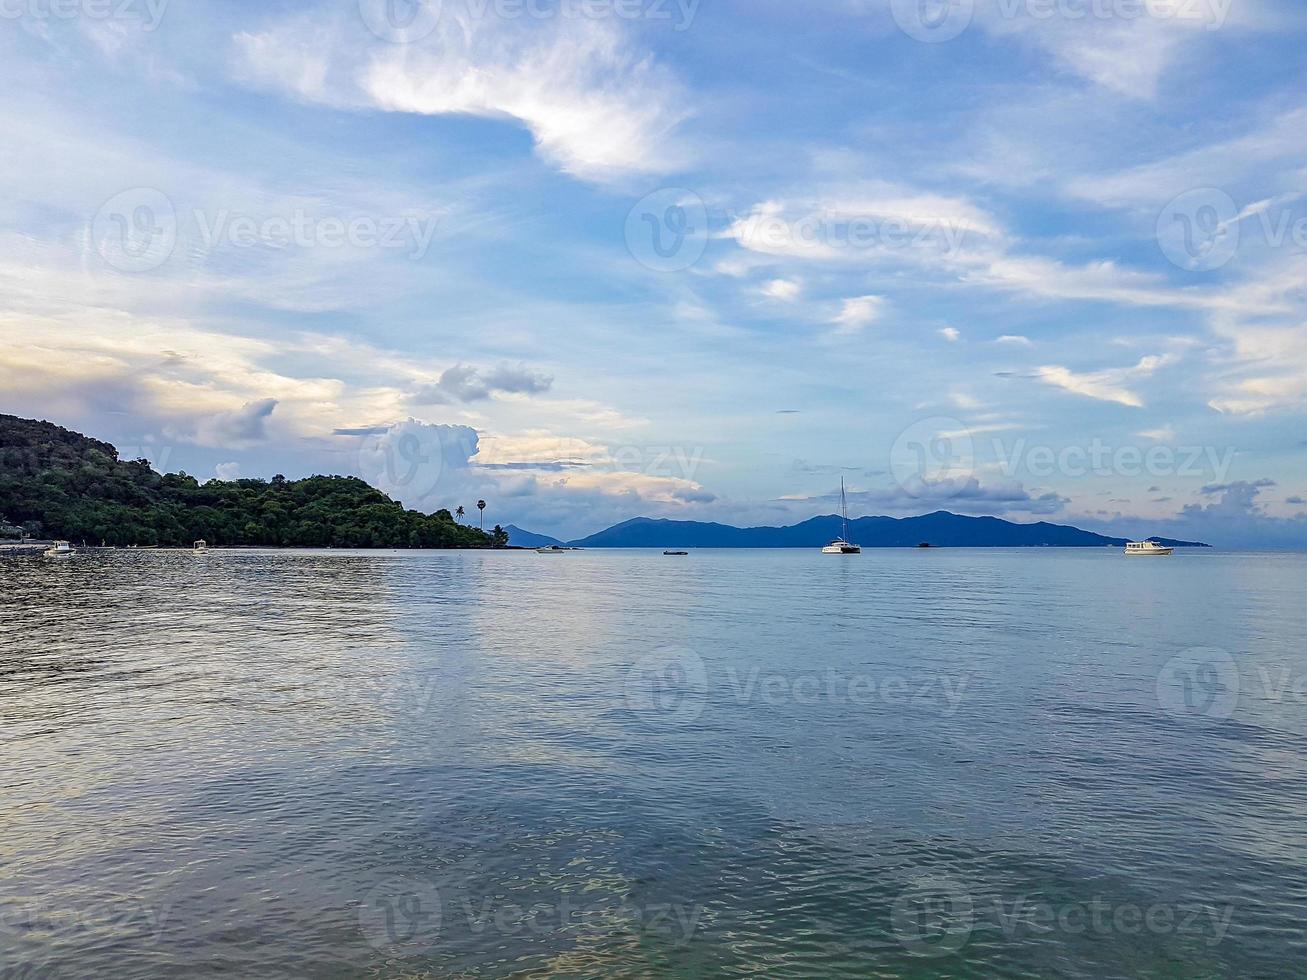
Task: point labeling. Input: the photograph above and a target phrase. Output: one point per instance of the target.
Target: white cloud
(239, 428)
(597, 106)
(1125, 48)
(1015, 340)
(1108, 385)
(858, 313)
(1224, 164)
(535, 480)
(1164, 433)
(950, 334)
(784, 290)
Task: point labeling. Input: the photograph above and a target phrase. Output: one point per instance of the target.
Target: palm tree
(460, 513)
(481, 506)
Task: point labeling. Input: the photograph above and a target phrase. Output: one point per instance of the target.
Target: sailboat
(841, 546)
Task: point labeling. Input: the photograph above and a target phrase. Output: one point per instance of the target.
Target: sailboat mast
(844, 511)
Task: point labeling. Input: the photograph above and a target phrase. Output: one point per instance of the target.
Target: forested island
(60, 484)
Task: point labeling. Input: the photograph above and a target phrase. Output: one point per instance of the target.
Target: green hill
(61, 484)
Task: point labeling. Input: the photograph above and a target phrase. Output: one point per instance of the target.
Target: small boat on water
(200, 547)
(675, 554)
(1142, 548)
(841, 545)
(552, 549)
(60, 549)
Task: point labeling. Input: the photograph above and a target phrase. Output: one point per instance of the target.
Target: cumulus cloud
(1107, 385)
(596, 104)
(536, 480)
(858, 313)
(784, 290)
(239, 429)
(468, 384)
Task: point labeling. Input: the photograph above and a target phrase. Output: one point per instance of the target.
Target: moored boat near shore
(1141, 548)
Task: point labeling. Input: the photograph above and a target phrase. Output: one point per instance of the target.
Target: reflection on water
(905, 764)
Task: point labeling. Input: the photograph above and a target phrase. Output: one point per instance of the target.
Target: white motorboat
(200, 547)
(60, 549)
(1142, 548)
(552, 549)
(841, 545)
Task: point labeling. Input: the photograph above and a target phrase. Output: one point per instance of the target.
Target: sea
(934, 763)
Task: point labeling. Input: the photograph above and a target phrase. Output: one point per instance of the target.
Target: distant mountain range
(517, 538)
(940, 529)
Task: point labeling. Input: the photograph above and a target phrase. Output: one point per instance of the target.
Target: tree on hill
(74, 487)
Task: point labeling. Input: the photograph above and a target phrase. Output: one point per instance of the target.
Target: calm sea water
(952, 763)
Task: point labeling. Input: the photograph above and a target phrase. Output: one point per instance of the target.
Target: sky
(590, 260)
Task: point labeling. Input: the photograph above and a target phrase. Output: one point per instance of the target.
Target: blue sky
(1042, 259)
